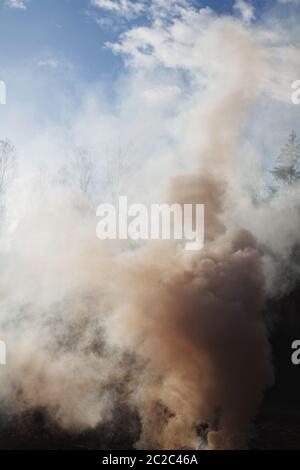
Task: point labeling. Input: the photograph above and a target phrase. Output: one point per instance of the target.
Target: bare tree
(83, 169)
(106, 179)
(115, 170)
(80, 172)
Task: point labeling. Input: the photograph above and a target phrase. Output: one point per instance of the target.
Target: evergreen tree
(7, 164)
(287, 169)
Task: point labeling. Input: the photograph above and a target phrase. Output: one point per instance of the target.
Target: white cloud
(99, 19)
(151, 8)
(103, 22)
(122, 7)
(296, 2)
(161, 94)
(17, 4)
(245, 9)
(183, 42)
(52, 63)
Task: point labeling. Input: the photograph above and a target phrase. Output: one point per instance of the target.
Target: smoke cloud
(177, 338)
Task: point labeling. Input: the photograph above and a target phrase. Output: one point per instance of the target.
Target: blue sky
(63, 81)
(66, 31)
(67, 37)
(56, 29)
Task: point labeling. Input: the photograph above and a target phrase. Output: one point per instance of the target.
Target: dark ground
(277, 425)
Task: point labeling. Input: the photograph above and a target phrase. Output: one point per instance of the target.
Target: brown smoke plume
(178, 336)
(197, 325)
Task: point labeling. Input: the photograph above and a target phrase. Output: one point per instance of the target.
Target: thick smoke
(178, 338)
